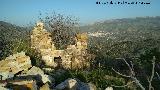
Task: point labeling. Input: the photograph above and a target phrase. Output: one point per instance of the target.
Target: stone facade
(42, 42)
(74, 56)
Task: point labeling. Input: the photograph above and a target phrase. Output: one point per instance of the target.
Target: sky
(23, 12)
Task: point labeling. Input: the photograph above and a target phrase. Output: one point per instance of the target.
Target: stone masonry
(73, 57)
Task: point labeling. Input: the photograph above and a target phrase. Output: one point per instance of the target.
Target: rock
(66, 61)
(37, 71)
(45, 87)
(47, 78)
(109, 88)
(81, 40)
(15, 63)
(91, 86)
(49, 60)
(3, 88)
(23, 85)
(34, 71)
(69, 84)
(72, 84)
(6, 75)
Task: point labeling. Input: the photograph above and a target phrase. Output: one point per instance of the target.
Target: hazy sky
(22, 12)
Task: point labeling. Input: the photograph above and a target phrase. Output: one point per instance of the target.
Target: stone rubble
(14, 64)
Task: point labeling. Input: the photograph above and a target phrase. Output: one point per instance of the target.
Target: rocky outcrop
(17, 73)
(14, 64)
(73, 57)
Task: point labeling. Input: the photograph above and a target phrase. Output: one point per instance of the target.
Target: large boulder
(35, 71)
(22, 85)
(14, 64)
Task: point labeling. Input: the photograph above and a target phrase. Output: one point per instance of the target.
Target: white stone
(109, 88)
(70, 84)
(47, 78)
(6, 75)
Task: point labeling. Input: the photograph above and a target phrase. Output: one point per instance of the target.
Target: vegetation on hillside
(131, 47)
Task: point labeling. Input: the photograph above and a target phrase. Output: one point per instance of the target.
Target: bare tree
(158, 75)
(133, 77)
(152, 75)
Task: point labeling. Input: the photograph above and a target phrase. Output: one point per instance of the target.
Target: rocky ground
(17, 73)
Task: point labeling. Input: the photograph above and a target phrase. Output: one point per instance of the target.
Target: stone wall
(73, 57)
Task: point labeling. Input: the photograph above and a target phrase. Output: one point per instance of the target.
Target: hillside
(129, 46)
(9, 33)
(125, 24)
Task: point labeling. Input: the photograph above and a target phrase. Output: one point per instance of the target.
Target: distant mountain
(124, 37)
(135, 24)
(125, 29)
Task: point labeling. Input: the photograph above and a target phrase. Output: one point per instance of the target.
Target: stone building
(74, 56)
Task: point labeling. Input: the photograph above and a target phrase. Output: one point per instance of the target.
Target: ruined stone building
(74, 56)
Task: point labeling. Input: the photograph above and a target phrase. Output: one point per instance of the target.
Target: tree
(62, 29)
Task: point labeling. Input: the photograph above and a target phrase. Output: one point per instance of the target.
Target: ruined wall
(42, 42)
(74, 56)
(81, 41)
